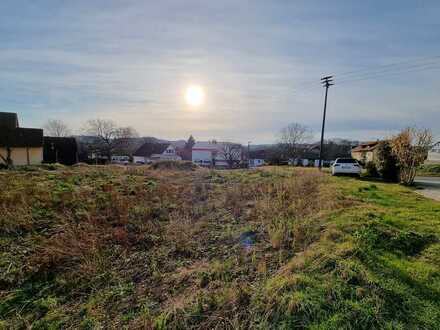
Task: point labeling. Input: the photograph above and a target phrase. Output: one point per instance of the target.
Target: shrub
(410, 147)
(371, 169)
(27, 168)
(386, 162)
(174, 165)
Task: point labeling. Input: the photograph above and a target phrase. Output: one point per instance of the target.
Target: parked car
(346, 166)
(123, 160)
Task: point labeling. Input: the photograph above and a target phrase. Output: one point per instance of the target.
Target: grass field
(180, 248)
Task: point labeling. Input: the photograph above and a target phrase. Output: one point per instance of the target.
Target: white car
(346, 166)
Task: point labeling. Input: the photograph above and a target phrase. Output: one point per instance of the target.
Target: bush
(27, 168)
(52, 166)
(174, 165)
(410, 148)
(371, 170)
(386, 162)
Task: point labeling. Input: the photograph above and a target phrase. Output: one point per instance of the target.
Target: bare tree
(7, 159)
(7, 138)
(109, 137)
(292, 139)
(57, 128)
(231, 153)
(411, 147)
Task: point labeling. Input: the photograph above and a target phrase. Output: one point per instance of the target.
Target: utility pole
(249, 153)
(326, 82)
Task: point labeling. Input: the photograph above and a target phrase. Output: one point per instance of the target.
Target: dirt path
(429, 187)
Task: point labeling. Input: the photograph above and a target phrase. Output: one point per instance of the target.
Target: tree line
(104, 137)
(397, 158)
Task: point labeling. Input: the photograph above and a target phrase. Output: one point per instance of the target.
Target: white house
(151, 151)
(257, 158)
(212, 153)
(256, 162)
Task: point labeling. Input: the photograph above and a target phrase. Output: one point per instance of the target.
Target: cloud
(259, 62)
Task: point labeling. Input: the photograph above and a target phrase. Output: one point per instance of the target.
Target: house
(152, 151)
(18, 145)
(208, 153)
(256, 162)
(218, 154)
(365, 152)
(63, 150)
(257, 158)
(434, 153)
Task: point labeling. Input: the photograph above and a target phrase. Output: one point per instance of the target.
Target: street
(430, 187)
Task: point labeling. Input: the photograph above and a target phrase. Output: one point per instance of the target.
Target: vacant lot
(110, 247)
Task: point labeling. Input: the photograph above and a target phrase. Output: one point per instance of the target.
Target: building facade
(365, 152)
(63, 150)
(217, 154)
(151, 151)
(19, 146)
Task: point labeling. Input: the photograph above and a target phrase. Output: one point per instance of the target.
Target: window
(346, 161)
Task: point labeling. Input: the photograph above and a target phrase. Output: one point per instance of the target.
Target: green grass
(429, 170)
(104, 247)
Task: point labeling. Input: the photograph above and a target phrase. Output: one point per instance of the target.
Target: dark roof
(59, 141)
(367, 146)
(8, 120)
(150, 148)
(21, 137)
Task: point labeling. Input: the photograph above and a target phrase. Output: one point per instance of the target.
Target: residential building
(18, 145)
(63, 150)
(151, 151)
(218, 154)
(257, 158)
(365, 152)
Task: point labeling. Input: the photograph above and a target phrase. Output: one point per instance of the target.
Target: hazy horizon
(259, 64)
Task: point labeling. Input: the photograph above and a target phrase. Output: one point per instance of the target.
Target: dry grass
(138, 247)
(86, 229)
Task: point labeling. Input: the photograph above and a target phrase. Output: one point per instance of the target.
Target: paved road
(430, 186)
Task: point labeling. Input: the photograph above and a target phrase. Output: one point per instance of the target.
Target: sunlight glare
(194, 95)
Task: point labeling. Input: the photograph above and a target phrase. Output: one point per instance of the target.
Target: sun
(194, 95)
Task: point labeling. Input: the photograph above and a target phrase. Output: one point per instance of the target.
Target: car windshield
(346, 161)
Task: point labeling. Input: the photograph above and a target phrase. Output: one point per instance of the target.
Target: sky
(259, 63)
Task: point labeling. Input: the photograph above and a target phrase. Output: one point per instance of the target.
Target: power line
(382, 71)
(432, 65)
(392, 73)
(391, 65)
